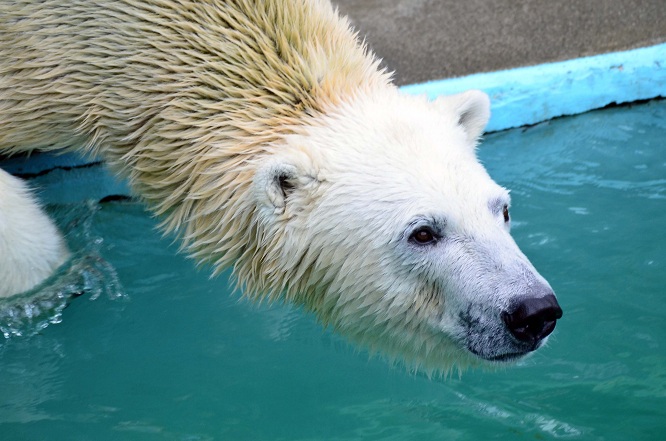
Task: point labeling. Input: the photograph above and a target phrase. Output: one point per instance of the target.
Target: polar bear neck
(178, 96)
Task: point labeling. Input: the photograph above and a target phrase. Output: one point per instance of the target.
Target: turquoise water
(155, 350)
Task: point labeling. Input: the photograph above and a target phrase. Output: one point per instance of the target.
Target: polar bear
(31, 247)
(267, 138)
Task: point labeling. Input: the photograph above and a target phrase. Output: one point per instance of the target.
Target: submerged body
(267, 138)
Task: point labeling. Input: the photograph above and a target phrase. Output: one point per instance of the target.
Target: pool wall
(529, 95)
(521, 96)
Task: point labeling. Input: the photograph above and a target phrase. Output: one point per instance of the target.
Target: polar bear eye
(423, 236)
(505, 213)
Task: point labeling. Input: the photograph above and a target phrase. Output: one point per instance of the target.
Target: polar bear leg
(31, 247)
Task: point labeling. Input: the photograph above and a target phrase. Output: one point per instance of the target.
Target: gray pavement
(425, 40)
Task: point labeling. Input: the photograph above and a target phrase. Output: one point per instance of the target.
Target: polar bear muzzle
(510, 333)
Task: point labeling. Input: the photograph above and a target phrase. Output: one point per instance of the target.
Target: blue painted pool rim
(532, 94)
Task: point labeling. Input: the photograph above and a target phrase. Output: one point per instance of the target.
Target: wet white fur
(267, 138)
(31, 247)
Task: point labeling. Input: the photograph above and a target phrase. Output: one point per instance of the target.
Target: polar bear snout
(533, 319)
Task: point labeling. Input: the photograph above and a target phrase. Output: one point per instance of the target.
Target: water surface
(165, 353)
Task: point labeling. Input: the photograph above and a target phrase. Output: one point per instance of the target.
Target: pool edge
(532, 94)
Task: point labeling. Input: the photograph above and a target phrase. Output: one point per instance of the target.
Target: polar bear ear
(277, 179)
(471, 108)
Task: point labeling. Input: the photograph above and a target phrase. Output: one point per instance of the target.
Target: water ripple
(86, 273)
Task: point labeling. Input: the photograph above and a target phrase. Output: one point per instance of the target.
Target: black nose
(533, 319)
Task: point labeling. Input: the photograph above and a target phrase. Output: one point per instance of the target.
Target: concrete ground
(425, 40)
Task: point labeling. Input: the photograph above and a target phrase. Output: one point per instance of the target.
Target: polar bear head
(380, 219)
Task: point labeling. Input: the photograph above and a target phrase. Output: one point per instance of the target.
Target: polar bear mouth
(507, 357)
